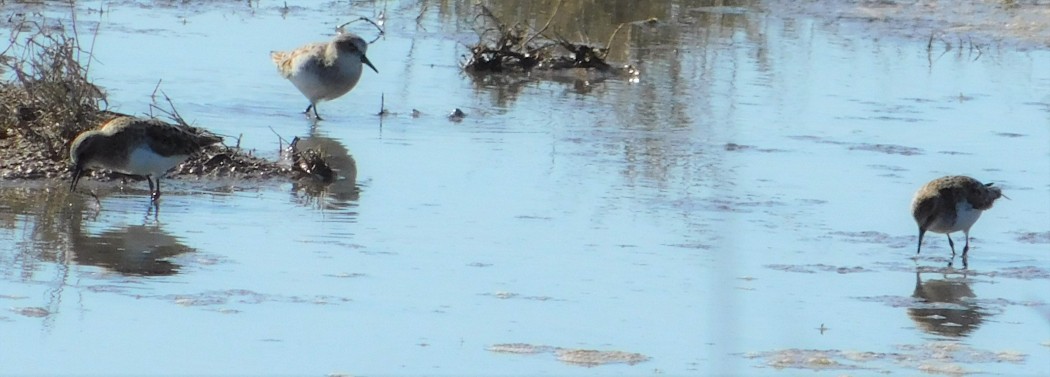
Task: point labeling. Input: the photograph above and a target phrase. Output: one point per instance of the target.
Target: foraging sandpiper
(324, 71)
(950, 204)
(136, 146)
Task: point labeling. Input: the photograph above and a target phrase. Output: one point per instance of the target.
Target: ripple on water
(1024, 272)
(504, 295)
(36, 312)
(887, 149)
(1034, 237)
(814, 268)
(244, 296)
(880, 148)
(874, 237)
(734, 147)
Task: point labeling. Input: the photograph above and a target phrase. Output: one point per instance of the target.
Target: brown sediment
(50, 101)
(595, 357)
(580, 357)
(942, 357)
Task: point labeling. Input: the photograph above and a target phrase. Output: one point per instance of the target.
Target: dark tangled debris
(310, 163)
(51, 101)
(457, 115)
(219, 161)
(511, 48)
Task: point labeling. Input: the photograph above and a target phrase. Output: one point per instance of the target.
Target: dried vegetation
(47, 103)
(504, 48)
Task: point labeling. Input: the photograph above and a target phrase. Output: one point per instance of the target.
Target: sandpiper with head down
(324, 71)
(136, 146)
(950, 204)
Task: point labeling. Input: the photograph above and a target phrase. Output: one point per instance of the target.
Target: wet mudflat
(740, 208)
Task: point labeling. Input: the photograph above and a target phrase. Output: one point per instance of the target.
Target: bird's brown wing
(285, 60)
(925, 211)
(169, 140)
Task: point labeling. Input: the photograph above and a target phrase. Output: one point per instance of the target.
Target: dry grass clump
(515, 48)
(50, 99)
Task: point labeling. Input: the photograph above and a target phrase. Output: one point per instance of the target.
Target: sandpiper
(950, 204)
(324, 71)
(136, 146)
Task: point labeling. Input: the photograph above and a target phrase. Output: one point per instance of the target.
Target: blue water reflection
(745, 200)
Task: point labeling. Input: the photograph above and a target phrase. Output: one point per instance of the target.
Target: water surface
(740, 208)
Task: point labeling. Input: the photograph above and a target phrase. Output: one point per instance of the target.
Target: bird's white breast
(965, 217)
(335, 81)
(144, 161)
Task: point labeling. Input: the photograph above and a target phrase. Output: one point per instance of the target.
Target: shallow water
(740, 208)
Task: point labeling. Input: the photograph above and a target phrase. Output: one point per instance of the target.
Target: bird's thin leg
(921, 233)
(316, 115)
(966, 248)
(314, 108)
(154, 194)
(951, 244)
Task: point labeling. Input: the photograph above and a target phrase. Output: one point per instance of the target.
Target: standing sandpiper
(950, 204)
(324, 71)
(135, 146)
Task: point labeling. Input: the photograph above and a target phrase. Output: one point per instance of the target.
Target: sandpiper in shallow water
(324, 71)
(136, 146)
(950, 204)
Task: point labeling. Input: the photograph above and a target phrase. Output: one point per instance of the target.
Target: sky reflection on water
(743, 203)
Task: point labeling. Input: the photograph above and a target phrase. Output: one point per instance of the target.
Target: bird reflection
(948, 307)
(133, 250)
(342, 192)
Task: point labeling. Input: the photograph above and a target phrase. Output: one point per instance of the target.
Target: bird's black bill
(77, 173)
(364, 59)
(918, 249)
